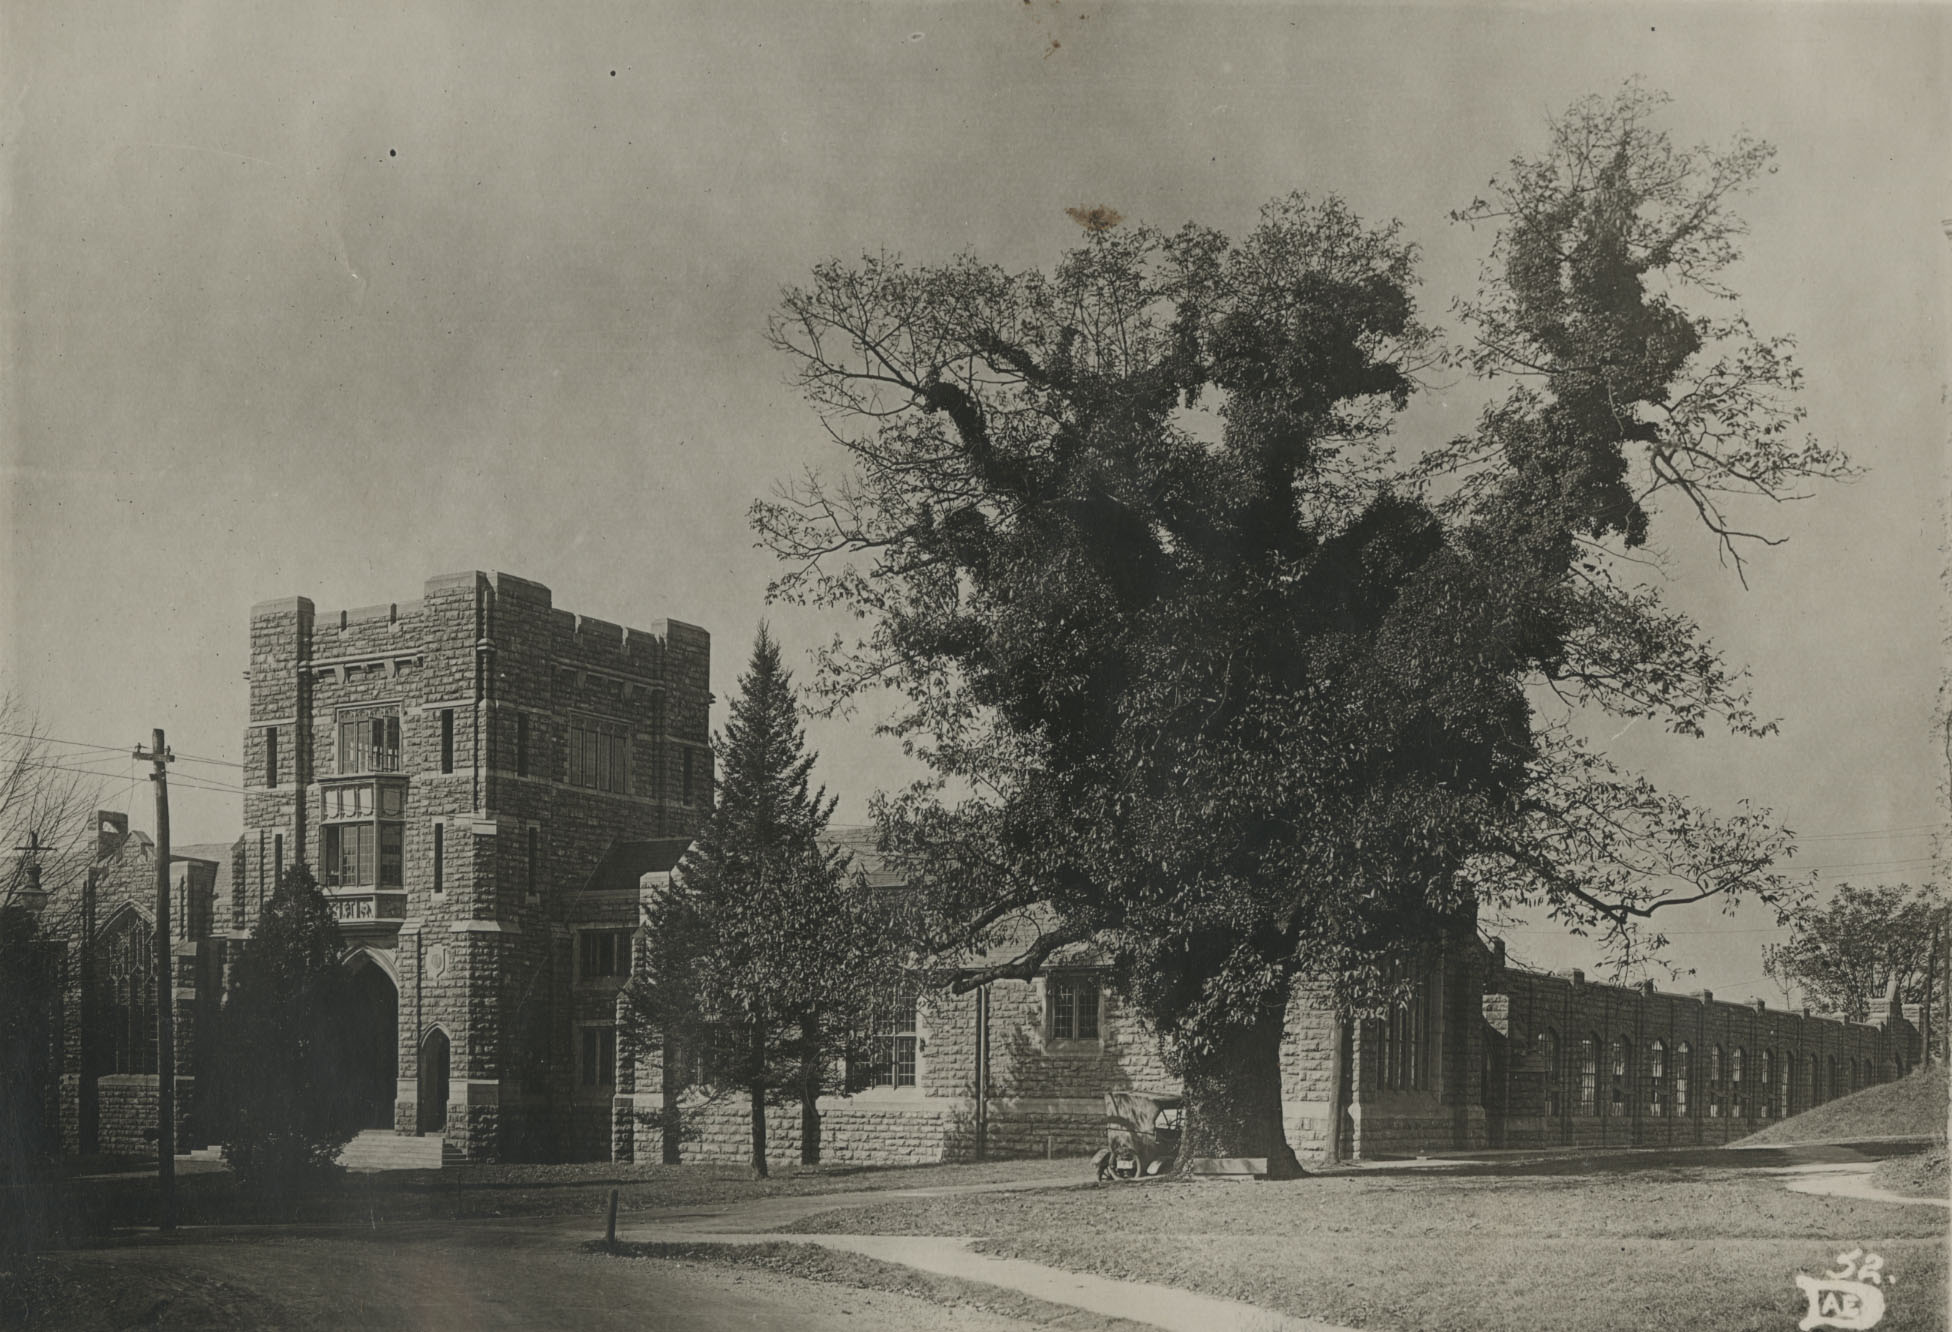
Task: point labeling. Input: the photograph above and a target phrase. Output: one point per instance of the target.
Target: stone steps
(373, 1150)
(383, 1149)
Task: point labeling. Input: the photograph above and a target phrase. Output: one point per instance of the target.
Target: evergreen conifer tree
(782, 952)
(286, 1105)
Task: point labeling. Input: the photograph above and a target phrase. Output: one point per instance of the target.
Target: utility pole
(31, 896)
(159, 755)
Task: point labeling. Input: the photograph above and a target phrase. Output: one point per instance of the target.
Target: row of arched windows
(1774, 1086)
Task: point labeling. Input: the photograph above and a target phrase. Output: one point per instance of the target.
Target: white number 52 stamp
(1850, 1296)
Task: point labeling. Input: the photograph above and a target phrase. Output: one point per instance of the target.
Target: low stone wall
(870, 1130)
(126, 1113)
(917, 1133)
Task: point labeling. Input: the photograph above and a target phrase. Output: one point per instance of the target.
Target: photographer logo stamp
(1849, 1296)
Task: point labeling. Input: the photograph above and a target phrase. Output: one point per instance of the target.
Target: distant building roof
(626, 863)
(219, 854)
(858, 840)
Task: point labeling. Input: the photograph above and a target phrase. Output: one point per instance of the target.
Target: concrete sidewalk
(1167, 1307)
(1849, 1180)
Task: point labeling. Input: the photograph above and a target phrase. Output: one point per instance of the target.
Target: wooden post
(982, 1072)
(610, 1233)
(1332, 1144)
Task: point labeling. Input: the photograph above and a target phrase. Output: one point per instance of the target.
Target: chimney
(111, 830)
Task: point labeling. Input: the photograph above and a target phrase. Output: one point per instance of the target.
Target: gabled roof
(626, 862)
(137, 843)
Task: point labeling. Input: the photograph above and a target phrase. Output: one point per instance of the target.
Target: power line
(1912, 830)
(1870, 864)
(201, 784)
(112, 749)
(222, 763)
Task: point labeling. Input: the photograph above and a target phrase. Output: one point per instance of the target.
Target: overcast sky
(323, 301)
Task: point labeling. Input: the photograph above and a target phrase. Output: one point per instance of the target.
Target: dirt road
(459, 1276)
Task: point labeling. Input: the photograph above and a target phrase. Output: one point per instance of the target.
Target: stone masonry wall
(1687, 1103)
(485, 957)
(853, 1131)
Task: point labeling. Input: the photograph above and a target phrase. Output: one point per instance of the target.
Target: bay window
(362, 838)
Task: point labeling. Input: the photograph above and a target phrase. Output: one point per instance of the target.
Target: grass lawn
(210, 1196)
(1467, 1249)
(1913, 1106)
(852, 1269)
(1920, 1176)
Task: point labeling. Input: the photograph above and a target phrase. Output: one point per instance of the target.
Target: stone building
(1481, 1056)
(469, 774)
(490, 789)
(106, 1020)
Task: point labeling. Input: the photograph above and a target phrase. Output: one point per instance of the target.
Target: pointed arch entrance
(432, 1116)
(372, 1039)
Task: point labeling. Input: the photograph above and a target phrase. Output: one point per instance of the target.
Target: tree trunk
(759, 1130)
(756, 1053)
(810, 1080)
(758, 1100)
(1233, 1099)
(668, 1102)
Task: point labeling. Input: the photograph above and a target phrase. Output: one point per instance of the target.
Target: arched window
(1683, 1075)
(1657, 1079)
(1738, 1099)
(1589, 1075)
(1792, 1070)
(126, 966)
(1717, 1086)
(1766, 1068)
(1555, 1072)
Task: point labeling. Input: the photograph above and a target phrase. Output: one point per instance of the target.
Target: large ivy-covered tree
(1208, 671)
(765, 956)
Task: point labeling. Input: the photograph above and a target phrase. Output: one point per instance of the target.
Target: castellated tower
(455, 771)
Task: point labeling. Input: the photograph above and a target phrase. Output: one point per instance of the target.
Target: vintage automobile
(1141, 1135)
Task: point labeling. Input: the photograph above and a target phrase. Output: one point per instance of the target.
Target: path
(1166, 1307)
(1846, 1179)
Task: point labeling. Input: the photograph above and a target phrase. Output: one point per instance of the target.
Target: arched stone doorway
(372, 1042)
(432, 1116)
